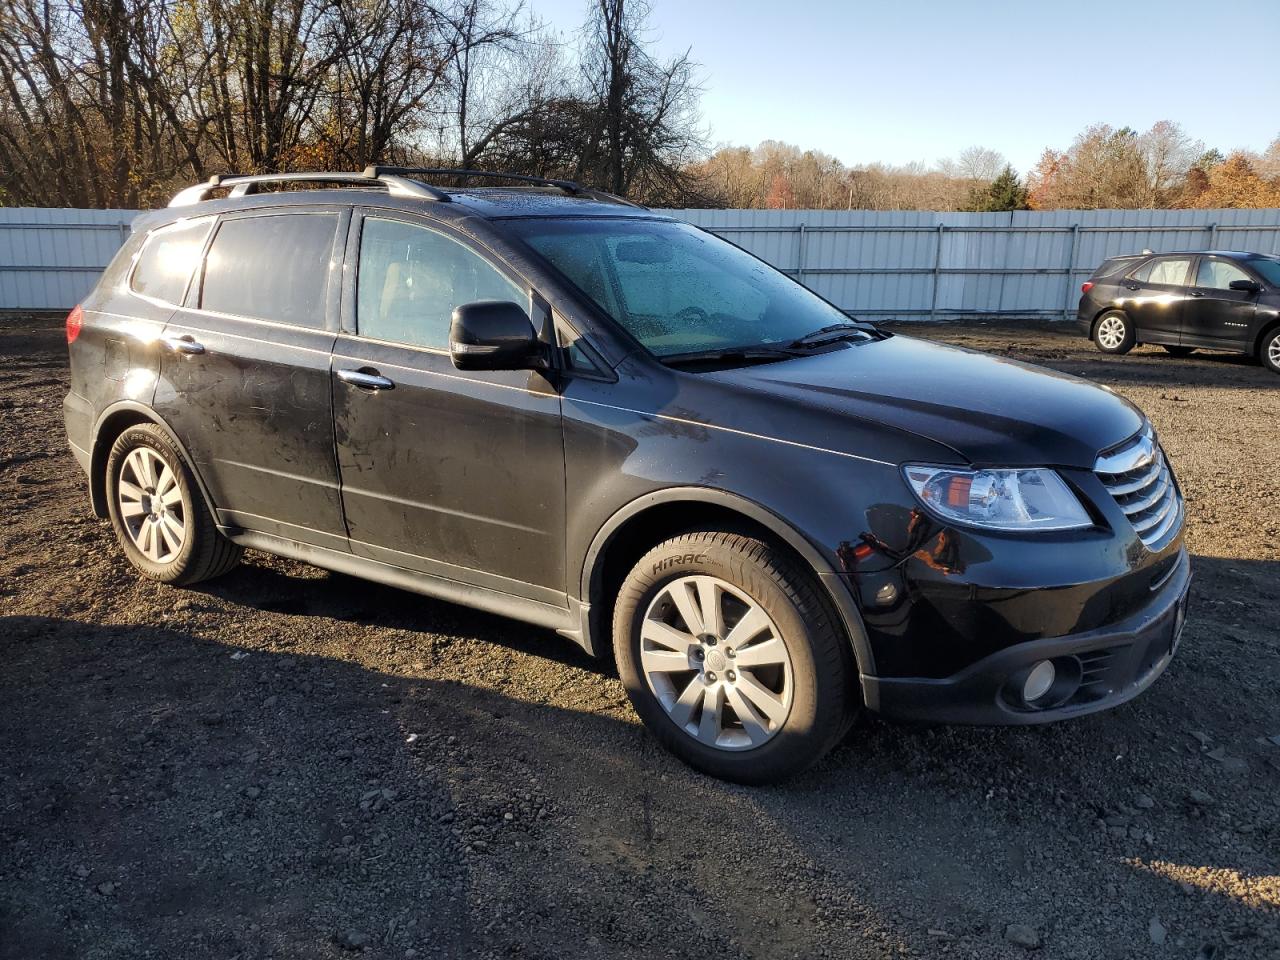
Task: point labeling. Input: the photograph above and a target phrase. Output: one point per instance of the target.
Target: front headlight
(1034, 499)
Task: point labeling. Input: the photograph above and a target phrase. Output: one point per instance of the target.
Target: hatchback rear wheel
(731, 656)
(158, 513)
(1113, 333)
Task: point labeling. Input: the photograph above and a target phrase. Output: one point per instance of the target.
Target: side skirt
(561, 619)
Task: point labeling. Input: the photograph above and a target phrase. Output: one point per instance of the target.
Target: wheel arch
(657, 516)
(1266, 331)
(112, 422)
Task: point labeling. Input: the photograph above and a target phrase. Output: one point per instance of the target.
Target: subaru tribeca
(549, 403)
(1216, 300)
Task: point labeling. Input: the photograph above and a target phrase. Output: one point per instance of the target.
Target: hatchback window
(412, 277)
(167, 259)
(678, 289)
(271, 268)
(1171, 271)
(1218, 274)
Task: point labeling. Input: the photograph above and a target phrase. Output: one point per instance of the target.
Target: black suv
(1217, 299)
(552, 404)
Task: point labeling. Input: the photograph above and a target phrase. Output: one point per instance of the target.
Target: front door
(1216, 315)
(1153, 297)
(244, 381)
(454, 473)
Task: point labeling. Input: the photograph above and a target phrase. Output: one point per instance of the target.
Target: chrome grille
(1137, 475)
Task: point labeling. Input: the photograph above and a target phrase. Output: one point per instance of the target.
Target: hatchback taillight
(75, 320)
(1086, 286)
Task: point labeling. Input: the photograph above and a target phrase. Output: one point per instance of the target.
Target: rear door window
(1164, 271)
(1217, 274)
(411, 278)
(167, 258)
(271, 268)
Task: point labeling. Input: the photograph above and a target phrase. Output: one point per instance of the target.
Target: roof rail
(568, 186)
(242, 185)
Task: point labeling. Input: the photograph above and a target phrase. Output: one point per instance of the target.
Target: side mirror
(493, 335)
(1251, 286)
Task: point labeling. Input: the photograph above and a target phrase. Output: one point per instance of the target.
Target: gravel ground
(290, 763)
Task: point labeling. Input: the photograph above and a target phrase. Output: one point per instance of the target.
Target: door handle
(1197, 293)
(185, 344)
(366, 379)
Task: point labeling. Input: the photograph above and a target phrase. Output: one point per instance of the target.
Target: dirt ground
(289, 763)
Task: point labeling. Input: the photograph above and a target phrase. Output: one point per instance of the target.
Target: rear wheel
(731, 656)
(1269, 354)
(158, 513)
(1113, 333)
(1180, 351)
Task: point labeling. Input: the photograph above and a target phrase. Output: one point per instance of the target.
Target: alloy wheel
(1273, 352)
(152, 507)
(716, 662)
(1111, 332)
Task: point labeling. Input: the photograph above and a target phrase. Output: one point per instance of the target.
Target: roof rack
(568, 186)
(242, 185)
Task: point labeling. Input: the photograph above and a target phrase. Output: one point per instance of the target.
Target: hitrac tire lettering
(674, 561)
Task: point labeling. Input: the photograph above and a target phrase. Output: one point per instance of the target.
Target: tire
(1180, 351)
(158, 512)
(1113, 332)
(778, 715)
(1269, 351)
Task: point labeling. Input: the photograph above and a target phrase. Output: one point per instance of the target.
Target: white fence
(876, 264)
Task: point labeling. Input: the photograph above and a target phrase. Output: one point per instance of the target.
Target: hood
(990, 410)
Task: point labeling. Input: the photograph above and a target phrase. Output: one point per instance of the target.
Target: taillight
(1086, 286)
(75, 320)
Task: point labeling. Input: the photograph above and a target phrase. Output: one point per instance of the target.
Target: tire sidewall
(1129, 337)
(128, 441)
(1264, 354)
(803, 737)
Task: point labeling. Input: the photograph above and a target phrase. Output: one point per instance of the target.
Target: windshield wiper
(755, 354)
(833, 333)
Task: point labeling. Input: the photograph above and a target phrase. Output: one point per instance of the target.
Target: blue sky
(923, 79)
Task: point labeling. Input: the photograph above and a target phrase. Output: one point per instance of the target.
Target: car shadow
(211, 797)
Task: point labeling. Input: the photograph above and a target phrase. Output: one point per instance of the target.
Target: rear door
(459, 474)
(1215, 315)
(1154, 295)
(244, 376)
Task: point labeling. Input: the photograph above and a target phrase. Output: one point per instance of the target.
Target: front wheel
(1113, 332)
(1270, 351)
(731, 656)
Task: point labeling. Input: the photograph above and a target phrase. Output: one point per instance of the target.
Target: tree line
(1104, 167)
(118, 103)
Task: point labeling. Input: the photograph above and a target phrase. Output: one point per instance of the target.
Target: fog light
(1038, 681)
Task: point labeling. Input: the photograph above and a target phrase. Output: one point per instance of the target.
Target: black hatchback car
(1215, 299)
(552, 404)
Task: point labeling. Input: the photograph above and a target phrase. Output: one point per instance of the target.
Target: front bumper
(1109, 666)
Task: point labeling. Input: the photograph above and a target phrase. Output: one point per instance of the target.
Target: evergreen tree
(1005, 192)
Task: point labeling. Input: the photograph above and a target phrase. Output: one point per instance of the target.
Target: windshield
(1270, 270)
(678, 289)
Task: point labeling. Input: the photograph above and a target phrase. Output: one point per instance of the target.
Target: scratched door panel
(250, 397)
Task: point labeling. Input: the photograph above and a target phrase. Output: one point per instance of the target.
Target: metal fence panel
(907, 264)
(50, 258)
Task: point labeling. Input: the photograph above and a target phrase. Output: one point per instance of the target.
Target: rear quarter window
(168, 256)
